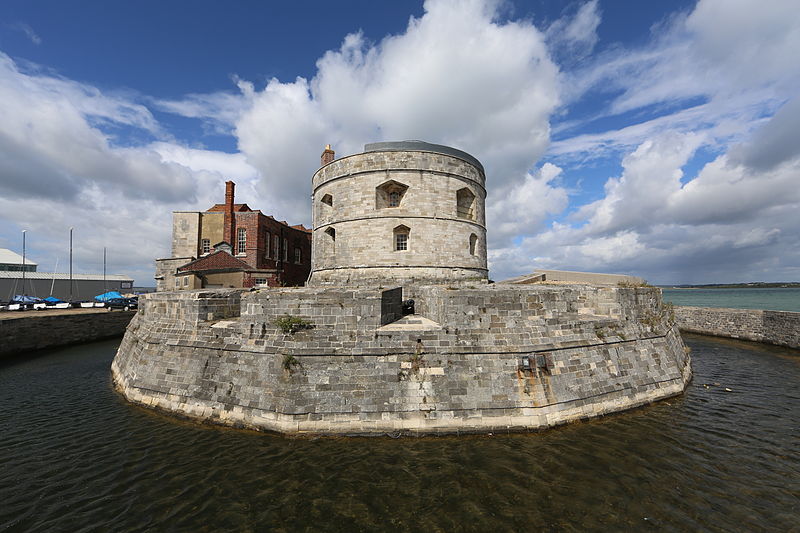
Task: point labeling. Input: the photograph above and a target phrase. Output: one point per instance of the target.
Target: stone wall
(481, 358)
(443, 243)
(26, 333)
(773, 327)
(185, 233)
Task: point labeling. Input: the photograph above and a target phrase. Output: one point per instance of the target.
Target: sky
(660, 139)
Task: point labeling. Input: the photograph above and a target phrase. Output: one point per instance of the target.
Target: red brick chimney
(229, 217)
(328, 155)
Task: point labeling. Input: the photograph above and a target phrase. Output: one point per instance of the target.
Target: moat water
(75, 457)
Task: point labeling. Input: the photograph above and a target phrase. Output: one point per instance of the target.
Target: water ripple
(75, 457)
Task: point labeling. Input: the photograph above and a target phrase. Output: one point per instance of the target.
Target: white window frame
(205, 246)
(241, 241)
(401, 241)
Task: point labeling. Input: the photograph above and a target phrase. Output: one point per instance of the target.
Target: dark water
(75, 457)
(768, 298)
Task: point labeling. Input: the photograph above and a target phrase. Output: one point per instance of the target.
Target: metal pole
(70, 265)
(105, 287)
(23, 262)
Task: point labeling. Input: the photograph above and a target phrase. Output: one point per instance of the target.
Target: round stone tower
(399, 212)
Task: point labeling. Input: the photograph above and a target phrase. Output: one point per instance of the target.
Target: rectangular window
(276, 247)
(186, 281)
(267, 244)
(205, 246)
(401, 241)
(177, 283)
(242, 241)
(298, 255)
(261, 281)
(285, 250)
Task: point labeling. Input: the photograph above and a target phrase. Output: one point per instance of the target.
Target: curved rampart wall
(495, 358)
(354, 238)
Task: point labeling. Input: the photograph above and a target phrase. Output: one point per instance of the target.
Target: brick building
(232, 245)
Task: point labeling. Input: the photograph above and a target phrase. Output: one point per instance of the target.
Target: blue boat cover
(22, 299)
(106, 296)
(52, 300)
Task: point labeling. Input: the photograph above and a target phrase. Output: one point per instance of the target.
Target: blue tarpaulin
(107, 296)
(52, 300)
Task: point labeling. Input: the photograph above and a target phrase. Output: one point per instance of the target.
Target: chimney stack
(229, 218)
(328, 155)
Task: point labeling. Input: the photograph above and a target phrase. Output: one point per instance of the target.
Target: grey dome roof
(422, 146)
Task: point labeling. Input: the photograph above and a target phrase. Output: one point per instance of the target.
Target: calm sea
(722, 457)
(773, 299)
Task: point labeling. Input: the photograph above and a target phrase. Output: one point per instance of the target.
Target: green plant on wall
(289, 362)
(292, 324)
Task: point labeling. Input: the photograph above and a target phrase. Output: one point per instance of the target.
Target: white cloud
(28, 31)
(573, 38)
(456, 76)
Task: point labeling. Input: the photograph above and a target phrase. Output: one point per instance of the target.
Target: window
(401, 238)
(241, 246)
(331, 233)
(276, 247)
(177, 283)
(465, 204)
(186, 281)
(473, 240)
(205, 246)
(261, 281)
(390, 194)
(285, 250)
(298, 256)
(327, 199)
(267, 243)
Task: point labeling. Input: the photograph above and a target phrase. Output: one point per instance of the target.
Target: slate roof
(220, 260)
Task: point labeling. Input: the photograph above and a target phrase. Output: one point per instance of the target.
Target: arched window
(473, 240)
(390, 194)
(331, 233)
(465, 204)
(400, 238)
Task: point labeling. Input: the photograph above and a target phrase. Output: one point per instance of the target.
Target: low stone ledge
(781, 328)
(28, 333)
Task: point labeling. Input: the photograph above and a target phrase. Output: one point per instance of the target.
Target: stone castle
(349, 354)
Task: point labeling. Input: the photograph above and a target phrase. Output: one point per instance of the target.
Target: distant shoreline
(756, 285)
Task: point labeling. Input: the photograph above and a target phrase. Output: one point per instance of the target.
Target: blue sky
(653, 138)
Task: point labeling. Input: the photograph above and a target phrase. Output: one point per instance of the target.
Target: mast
(53, 283)
(105, 287)
(70, 264)
(23, 262)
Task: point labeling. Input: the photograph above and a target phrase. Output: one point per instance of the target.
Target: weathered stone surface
(503, 357)
(773, 327)
(354, 232)
(23, 334)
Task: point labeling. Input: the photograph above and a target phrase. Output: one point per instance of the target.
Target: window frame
(241, 237)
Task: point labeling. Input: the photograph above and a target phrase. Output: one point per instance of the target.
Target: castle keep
(399, 212)
(345, 356)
